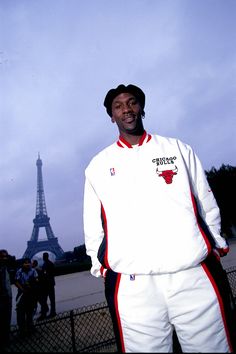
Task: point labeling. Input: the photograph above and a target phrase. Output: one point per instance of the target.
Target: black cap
(111, 94)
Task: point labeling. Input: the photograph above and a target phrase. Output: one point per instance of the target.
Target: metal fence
(87, 329)
(231, 273)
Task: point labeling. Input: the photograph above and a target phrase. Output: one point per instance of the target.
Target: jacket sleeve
(93, 230)
(206, 202)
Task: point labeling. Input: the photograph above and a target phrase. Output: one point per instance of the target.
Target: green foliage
(223, 185)
(73, 261)
(62, 268)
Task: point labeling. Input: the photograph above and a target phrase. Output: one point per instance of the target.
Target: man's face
(26, 265)
(126, 112)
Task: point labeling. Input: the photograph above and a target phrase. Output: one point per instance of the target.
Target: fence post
(72, 331)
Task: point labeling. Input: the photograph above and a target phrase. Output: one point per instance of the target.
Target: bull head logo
(167, 174)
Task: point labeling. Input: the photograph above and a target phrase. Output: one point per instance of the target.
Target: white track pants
(146, 307)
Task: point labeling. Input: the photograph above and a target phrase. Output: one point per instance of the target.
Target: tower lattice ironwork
(42, 220)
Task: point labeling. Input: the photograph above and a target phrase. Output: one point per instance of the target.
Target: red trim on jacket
(142, 138)
(145, 138)
(122, 140)
(209, 248)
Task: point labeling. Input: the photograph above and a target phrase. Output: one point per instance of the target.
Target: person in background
(39, 286)
(152, 230)
(5, 300)
(26, 280)
(48, 287)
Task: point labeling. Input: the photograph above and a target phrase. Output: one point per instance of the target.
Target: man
(48, 288)
(39, 287)
(5, 299)
(152, 230)
(26, 281)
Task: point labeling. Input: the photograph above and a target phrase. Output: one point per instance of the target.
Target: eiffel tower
(42, 220)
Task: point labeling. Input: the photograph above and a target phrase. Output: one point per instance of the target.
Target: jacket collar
(145, 138)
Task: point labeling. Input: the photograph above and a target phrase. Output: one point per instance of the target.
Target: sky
(58, 59)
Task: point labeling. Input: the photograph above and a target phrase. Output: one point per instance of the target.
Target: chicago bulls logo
(167, 174)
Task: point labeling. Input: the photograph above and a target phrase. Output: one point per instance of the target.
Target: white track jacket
(148, 208)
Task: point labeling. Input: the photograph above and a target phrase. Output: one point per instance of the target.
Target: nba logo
(112, 171)
(132, 276)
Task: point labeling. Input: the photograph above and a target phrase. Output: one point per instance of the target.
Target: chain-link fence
(231, 273)
(87, 329)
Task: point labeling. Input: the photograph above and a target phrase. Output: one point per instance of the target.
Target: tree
(80, 253)
(223, 185)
